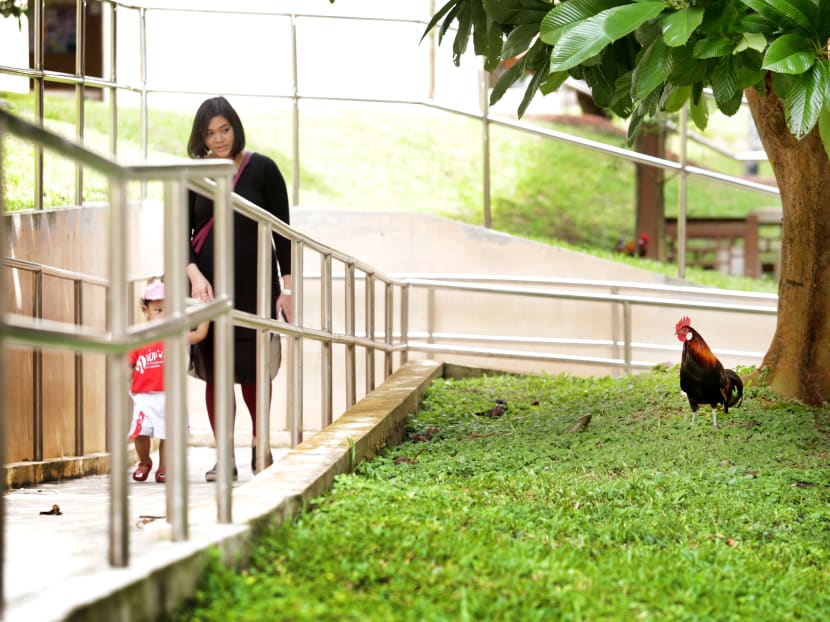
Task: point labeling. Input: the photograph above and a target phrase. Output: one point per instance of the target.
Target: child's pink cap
(154, 291)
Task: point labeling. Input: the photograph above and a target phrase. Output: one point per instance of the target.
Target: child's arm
(198, 334)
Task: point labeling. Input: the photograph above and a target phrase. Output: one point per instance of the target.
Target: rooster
(703, 377)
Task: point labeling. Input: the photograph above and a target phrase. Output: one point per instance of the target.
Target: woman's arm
(198, 334)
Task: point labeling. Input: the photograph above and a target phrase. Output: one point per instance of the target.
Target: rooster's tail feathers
(736, 393)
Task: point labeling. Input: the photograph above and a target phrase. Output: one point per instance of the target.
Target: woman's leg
(249, 395)
(210, 403)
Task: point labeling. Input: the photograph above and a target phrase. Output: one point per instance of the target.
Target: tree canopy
(640, 57)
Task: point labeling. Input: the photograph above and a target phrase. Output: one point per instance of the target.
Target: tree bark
(798, 359)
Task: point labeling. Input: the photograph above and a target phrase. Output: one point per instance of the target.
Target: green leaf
(689, 70)
(532, 87)
(462, 35)
(437, 17)
(800, 13)
(806, 99)
(752, 41)
(481, 40)
(713, 47)
(675, 97)
(494, 46)
(445, 25)
(587, 38)
(519, 40)
(824, 128)
(699, 112)
(553, 82)
(516, 11)
(571, 12)
(507, 79)
(724, 80)
(653, 69)
(790, 54)
(679, 26)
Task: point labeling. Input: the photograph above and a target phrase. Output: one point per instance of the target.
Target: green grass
(639, 517)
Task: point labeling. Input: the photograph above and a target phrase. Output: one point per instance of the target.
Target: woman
(217, 133)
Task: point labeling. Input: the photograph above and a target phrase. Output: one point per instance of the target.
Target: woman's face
(219, 138)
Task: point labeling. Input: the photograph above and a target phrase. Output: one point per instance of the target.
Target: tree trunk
(798, 359)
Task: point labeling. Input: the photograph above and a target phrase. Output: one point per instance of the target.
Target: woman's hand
(284, 305)
(284, 299)
(200, 287)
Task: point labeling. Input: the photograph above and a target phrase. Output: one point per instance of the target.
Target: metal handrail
(118, 336)
(483, 114)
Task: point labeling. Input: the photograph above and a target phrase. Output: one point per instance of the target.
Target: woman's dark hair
(214, 107)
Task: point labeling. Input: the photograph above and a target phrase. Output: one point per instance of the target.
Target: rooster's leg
(715, 419)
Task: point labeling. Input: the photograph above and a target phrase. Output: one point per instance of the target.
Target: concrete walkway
(56, 566)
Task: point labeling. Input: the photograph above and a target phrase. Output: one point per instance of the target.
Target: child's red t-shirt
(148, 368)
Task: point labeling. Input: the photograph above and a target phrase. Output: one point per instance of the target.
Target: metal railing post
(627, 336)
(297, 253)
(80, 91)
(39, 31)
(145, 122)
(682, 194)
(351, 387)
(175, 362)
(389, 314)
(4, 287)
(118, 375)
(326, 354)
(264, 303)
(78, 298)
(295, 116)
(485, 144)
(37, 372)
(404, 332)
(223, 288)
(430, 316)
(370, 330)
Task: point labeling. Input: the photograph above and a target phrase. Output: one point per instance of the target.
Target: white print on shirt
(154, 358)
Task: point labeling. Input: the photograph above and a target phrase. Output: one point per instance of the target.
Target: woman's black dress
(262, 183)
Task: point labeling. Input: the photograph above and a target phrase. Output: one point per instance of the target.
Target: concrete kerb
(154, 586)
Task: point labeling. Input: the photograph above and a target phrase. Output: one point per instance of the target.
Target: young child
(148, 387)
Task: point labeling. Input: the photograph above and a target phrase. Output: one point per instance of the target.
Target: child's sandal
(142, 471)
(161, 477)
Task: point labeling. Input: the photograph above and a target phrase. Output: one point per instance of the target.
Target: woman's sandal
(142, 471)
(161, 477)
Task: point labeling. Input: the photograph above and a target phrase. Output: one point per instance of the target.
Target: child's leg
(161, 456)
(142, 448)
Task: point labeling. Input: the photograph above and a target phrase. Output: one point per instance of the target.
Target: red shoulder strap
(245, 158)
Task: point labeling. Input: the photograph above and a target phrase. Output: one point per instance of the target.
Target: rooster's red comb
(684, 321)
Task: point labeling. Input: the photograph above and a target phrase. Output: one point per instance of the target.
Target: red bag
(199, 238)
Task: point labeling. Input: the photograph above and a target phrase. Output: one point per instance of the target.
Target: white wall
(14, 52)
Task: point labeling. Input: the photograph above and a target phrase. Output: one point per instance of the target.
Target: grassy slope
(411, 160)
(639, 517)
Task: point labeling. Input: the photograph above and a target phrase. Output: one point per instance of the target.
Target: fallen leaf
(800, 484)
(581, 423)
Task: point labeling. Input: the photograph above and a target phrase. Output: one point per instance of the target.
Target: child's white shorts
(148, 415)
